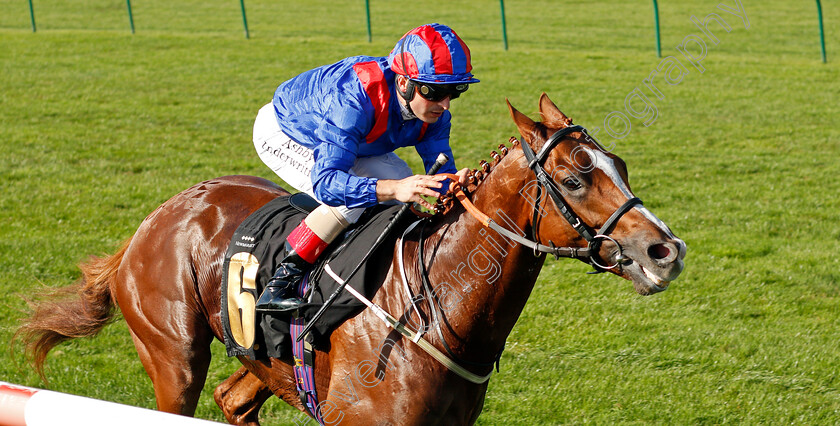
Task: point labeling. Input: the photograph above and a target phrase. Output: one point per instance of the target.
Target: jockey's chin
(428, 111)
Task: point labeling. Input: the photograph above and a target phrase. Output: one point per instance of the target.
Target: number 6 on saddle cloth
(256, 249)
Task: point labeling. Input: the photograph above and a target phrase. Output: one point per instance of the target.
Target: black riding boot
(279, 295)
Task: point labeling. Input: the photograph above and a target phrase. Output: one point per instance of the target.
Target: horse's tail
(78, 310)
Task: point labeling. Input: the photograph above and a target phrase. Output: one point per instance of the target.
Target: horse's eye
(571, 183)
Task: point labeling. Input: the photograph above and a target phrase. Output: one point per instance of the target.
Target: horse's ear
(527, 127)
(551, 115)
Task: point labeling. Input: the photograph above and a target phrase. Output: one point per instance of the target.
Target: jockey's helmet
(432, 54)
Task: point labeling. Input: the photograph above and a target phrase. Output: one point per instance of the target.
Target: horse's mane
(478, 175)
(475, 177)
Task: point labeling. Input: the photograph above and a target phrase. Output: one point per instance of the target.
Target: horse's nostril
(659, 251)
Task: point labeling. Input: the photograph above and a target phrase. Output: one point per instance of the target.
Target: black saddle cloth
(262, 235)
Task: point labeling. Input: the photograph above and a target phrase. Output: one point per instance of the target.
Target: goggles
(439, 92)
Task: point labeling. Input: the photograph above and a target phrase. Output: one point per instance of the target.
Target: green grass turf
(99, 126)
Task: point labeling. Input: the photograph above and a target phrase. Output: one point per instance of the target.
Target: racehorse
(549, 196)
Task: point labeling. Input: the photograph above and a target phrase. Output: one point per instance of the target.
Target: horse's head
(582, 180)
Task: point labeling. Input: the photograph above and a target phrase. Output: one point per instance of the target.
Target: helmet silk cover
(432, 53)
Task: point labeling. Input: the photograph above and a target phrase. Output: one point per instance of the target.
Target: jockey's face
(426, 110)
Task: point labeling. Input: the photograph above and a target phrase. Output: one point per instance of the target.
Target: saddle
(255, 251)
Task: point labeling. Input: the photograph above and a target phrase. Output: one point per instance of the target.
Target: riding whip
(439, 162)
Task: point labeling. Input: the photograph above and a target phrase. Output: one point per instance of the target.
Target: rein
(589, 253)
(593, 238)
(433, 303)
(416, 337)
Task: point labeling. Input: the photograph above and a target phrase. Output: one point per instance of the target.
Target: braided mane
(475, 177)
(478, 175)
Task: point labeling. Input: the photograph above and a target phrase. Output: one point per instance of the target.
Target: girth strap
(304, 358)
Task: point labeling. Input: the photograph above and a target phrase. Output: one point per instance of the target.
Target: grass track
(99, 126)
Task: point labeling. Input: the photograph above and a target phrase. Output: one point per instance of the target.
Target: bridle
(589, 253)
(593, 238)
(545, 183)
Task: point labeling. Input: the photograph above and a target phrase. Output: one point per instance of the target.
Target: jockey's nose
(444, 103)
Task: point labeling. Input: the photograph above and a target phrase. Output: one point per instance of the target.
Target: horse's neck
(490, 275)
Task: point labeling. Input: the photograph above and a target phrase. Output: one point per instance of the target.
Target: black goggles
(439, 92)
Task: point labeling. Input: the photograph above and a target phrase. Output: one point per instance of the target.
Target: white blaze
(606, 164)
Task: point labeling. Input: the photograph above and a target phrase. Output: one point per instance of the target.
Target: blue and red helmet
(432, 53)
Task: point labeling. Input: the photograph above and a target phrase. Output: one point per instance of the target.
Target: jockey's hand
(462, 176)
(410, 189)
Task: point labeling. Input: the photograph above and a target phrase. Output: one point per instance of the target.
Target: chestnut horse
(166, 281)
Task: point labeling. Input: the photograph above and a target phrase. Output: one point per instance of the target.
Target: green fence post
(822, 34)
(130, 15)
(244, 19)
(32, 15)
(656, 25)
(504, 26)
(367, 12)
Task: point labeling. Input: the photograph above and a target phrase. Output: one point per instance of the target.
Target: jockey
(331, 132)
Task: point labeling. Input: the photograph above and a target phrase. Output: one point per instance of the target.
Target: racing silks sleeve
(341, 129)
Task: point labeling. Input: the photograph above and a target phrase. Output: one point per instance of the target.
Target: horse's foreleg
(241, 396)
